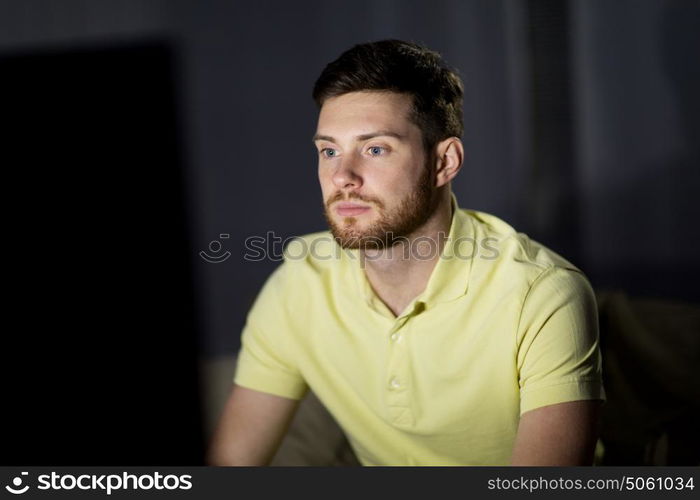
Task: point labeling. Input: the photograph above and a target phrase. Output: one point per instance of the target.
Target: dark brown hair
(404, 67)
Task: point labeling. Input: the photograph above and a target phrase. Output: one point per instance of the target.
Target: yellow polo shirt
(504, 326)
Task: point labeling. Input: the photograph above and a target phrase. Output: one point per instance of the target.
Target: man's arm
(251, 428)
(562, 434)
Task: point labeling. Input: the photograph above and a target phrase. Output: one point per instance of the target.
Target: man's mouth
(348, 209)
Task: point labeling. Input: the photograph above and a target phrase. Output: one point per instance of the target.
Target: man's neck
(400, 273)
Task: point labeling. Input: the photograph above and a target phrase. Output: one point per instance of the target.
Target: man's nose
(347, 174)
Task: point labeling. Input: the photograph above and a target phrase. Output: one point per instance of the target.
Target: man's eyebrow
(363, 137)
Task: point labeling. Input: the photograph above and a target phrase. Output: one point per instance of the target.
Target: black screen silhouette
(99, 352)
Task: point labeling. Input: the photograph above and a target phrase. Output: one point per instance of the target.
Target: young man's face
(374, 173)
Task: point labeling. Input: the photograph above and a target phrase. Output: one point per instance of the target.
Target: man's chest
(425, 370)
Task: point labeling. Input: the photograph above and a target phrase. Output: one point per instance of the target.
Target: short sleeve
(558, 356)
(266, 360)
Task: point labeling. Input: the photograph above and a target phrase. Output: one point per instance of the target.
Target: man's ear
(450, 154)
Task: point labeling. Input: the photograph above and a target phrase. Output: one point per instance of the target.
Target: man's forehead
(379, 100)
(365, 114)
(365, 136)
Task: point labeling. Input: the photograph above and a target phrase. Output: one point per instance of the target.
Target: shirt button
(395, 337)
(394, 383)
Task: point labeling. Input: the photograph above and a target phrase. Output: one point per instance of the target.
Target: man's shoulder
(314, 253)
(519, 257)
(300, 276)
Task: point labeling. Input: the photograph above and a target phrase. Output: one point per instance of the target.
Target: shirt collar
(450, 277)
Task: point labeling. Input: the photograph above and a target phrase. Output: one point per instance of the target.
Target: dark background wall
(581, 122)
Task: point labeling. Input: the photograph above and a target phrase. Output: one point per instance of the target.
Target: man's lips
(345, 209)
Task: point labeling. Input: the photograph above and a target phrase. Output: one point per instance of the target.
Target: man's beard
(392, 226)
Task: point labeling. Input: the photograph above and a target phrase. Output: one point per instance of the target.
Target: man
(437, 335)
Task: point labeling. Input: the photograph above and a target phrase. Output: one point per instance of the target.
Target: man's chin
(354, 233)
(353, 240)
(359, 243)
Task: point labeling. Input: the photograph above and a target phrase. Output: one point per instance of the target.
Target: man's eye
(328, 152)
(376, 150)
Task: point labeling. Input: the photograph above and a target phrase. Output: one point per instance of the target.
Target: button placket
(397, 375)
